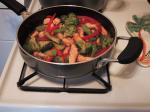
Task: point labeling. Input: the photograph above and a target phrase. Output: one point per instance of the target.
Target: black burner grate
(106, 84)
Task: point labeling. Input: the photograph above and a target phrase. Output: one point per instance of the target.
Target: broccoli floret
(70, 30)
(106, 41)
(71, 19)
(60, 30)
(63, 18)
(86, 29)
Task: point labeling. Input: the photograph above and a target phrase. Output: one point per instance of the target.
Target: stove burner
(106, 84)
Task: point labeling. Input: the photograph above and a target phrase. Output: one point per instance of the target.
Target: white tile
(9, 24)
(5, 48)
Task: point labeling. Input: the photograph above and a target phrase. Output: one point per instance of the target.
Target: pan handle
(132, 50)
(14, 6)
(128, 55)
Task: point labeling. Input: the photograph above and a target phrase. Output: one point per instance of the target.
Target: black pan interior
(37, 18)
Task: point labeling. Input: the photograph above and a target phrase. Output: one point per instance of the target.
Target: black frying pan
(67, 70)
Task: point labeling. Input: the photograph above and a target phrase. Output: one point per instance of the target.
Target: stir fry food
(68, 39)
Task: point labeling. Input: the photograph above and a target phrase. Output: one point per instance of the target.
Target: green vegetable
(28, 48)
(71, 19)
(106, 42)
(86, 29)
(32, 45)
(59, 46)
(60, 30)
(54, 52)
(63, 18)
(40, 28)
(69, 24)
(84, 48)
(71, 14)
(58, 59)
(45, 45)
(80, 44)
(94, 50)
(70, 30)
(87, 51)
(93, 39)
(51, 52)
(56, 40)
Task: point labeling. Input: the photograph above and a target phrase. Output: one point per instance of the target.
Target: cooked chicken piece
(98, 42)
(73, 54)
(66, 50)
(81, 32)
(34, 34)
(40, 55)
(77, 37)
(60, 36)
(41, 34)
(67, 41)
(91, 25)
(46, 21)
(104, 31)
(56, 21)
(83, 58)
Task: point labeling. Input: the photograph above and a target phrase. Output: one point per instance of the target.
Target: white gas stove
(130, 85)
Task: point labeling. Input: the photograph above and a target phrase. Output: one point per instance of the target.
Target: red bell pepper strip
(49, 59)
(52, 29)
(102, 51)
(50, 22)
(49, 16)
(90, 36)
(59, 52)
(62, 55)
(44, 38)
(86, 19)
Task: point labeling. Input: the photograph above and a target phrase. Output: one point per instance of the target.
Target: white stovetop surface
(130, 92)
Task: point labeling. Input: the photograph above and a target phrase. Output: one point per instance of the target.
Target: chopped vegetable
(32, 45)
(83, 58)
(45, 45)
(58, 59)
(40, 28)
(90, 36)
(68, 39)
(73, 54)
(52, 52)
(59, 46)
(86, 30)
(71, 19)
(106, 42)
(48, 29)
(70, 30)
(56, 40)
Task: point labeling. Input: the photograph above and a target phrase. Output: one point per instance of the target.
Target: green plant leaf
(139, 20)
(133, 27)
(147, 28)
(136, 19)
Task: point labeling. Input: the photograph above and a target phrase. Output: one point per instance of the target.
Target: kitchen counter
(130, 89)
